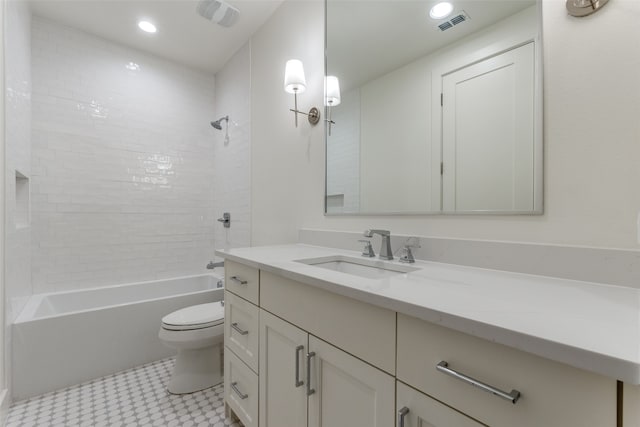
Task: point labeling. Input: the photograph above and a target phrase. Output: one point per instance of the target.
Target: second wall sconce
(332, 97)
(295, 83)
(582, 8)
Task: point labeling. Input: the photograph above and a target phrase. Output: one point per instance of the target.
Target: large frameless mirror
(434, 108)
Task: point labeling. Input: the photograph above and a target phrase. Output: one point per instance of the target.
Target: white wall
(287, 163)
(395, 153)
(592, 155)
(5, 401)
(17, 158)
(232, 158)
(122, 163)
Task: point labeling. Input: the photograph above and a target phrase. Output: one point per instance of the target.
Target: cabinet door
(283, 400)
(347, 391)
(631, 405)
(426, 412)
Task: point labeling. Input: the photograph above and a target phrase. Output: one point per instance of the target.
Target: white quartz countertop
(587, 325)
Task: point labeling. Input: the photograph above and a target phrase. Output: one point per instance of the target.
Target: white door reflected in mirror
(396, 148)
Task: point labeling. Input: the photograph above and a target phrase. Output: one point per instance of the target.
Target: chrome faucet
(213, 265)
(385, 249)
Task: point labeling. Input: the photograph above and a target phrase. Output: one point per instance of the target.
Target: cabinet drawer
(242, 280)
(552, 394)
(418, 409)
(241, 389)
(364, 330)
(241, 329)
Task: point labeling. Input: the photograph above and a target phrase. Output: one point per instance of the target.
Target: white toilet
(198, 333)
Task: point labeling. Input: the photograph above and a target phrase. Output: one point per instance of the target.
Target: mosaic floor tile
(133, 398)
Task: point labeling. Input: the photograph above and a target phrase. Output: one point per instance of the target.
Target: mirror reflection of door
(390, 138)
(488, 134)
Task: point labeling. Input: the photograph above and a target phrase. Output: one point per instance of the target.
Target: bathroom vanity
(311, 341)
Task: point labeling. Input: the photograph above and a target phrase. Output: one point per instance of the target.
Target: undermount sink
(361, 267)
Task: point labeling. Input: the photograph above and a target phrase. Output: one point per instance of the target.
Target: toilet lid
(195, 317)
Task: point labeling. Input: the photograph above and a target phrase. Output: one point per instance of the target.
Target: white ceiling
(183, 35)
(367, 39)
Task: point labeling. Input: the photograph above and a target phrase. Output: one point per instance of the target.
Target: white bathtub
(65, 338)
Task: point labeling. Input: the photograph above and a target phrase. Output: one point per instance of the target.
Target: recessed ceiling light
(147, 27)
(441, 10)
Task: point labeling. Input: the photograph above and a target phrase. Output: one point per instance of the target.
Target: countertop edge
(602, 364)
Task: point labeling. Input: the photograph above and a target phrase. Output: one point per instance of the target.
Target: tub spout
(213, 265)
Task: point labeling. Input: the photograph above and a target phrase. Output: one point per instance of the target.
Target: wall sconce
(582, 8)
(295, 83)
(332, 97)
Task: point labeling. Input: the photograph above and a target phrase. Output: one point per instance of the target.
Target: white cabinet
(283, 397)
(346, 391)
(241, 389)
(631, 405)
(338, 389)
(364, 330)
(308, 357)
(415, 409)
(242, 280)
(552, 394)
(241, 329)
(241, 338)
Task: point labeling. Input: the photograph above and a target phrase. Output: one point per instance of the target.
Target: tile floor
(136, 397)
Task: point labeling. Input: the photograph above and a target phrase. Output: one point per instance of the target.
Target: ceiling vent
(218, 11)
(457, 19)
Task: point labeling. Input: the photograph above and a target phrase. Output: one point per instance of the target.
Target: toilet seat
(195, 317)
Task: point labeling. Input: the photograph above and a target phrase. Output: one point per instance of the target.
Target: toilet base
(195, 370)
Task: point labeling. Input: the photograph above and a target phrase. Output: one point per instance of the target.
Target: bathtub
(66, 338)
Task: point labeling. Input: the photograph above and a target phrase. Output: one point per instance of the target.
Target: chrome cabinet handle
(234, 386)
(239, 329)
(310, 391)
(512, 397)
(237, 280)
(298, 350)
(401, 414)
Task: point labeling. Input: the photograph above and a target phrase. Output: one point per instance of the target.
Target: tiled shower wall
(17, 158)
(343, 154)
(122, 163)
(232, 155)
(18, 154)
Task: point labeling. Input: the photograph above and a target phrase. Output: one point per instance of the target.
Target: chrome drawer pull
(512, 397)
(310, 391)
(401, 414)
(237, 280)
(238, 329)
(234, 386)
(298, 350)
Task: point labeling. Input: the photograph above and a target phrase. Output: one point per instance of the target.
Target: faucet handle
(368, 249)
(408, 254)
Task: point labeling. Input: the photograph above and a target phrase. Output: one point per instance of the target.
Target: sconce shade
(294, 81)
(333, 91)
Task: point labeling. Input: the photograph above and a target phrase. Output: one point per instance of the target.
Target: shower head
(218, 11)
(218, 123)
